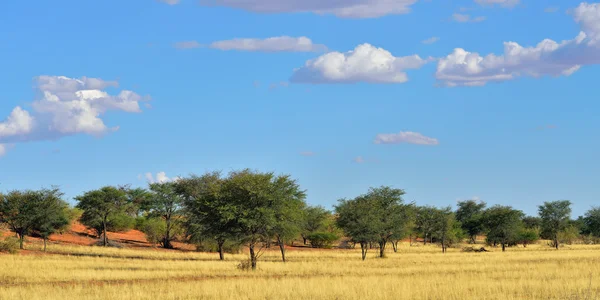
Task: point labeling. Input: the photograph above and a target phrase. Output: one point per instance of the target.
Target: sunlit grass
(418, 272)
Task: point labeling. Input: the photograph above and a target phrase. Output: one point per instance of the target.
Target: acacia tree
(355, 217)
(20, 211)
(100, 205)
(503, 224)
(469, 214)
(253, 203)
(445, 228)
(165, 203)
(53, 214)
(208, 212)
(289, 205)
(555, 217)
(425, 221)
(592, 221)
(315, 220)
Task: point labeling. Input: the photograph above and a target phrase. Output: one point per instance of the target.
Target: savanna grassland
(415, 272)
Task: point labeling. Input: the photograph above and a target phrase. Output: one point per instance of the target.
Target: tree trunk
(104, 230)
(282, 248)
(221, 253)
(556, 243)
(382, 245)
(252, 257)
(424, 239)
(21, 241)
(473, 238)
(503, 247)
(363, 249)
(167, 237)
(45, 239)
(443, 245)
(304, 239)
(395, 246)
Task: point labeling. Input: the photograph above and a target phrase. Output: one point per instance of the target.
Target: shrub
(153, 229)
(121, 222)
(245, 265)
(9, 245)
(322, 239)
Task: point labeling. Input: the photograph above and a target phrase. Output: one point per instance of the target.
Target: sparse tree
(528, 236)
(53, 214)
(355, 217)
(555, 217)
(503, 224)
(470, 215)
(315, 220)
(251, 194)
(289, 205)
(209, 212)
(425, 221)
(99, 206)
(165, 203)
(446, 229)
(592, 221)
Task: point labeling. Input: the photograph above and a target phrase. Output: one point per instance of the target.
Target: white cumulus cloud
(65, 106)
(272, 44)
(339, 8)
(161, 177)
(366, 63)
(405, 137)
(548, 57)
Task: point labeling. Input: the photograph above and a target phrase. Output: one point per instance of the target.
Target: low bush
(322, 239)
(9, 245)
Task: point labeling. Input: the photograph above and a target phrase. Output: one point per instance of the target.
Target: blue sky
(341, 95)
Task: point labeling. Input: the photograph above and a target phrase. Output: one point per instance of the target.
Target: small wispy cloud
(405, 137)
(465, 18)
(170, 2)
(359, 160)
(551, 9)
(187, 45)
(430, 40)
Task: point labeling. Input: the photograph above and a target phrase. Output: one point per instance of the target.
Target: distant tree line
(258, 210)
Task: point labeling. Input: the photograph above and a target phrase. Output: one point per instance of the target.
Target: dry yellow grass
(422, 272)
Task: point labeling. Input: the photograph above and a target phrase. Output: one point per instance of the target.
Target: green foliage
(470, 215)
(102, 206)
(164, 202)
(322, 239)
(446, 230)
(592, 221)
(377, 216)
(316, 219)
(209, 215)
(528, 236)
(568, 235)
(503, 224)
(121, 222)
(153, 228)
(425, 222)
(42, 212)
(555, 218)
(9, 245)
(530, 222)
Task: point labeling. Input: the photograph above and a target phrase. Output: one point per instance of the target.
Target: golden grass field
(417, 272)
